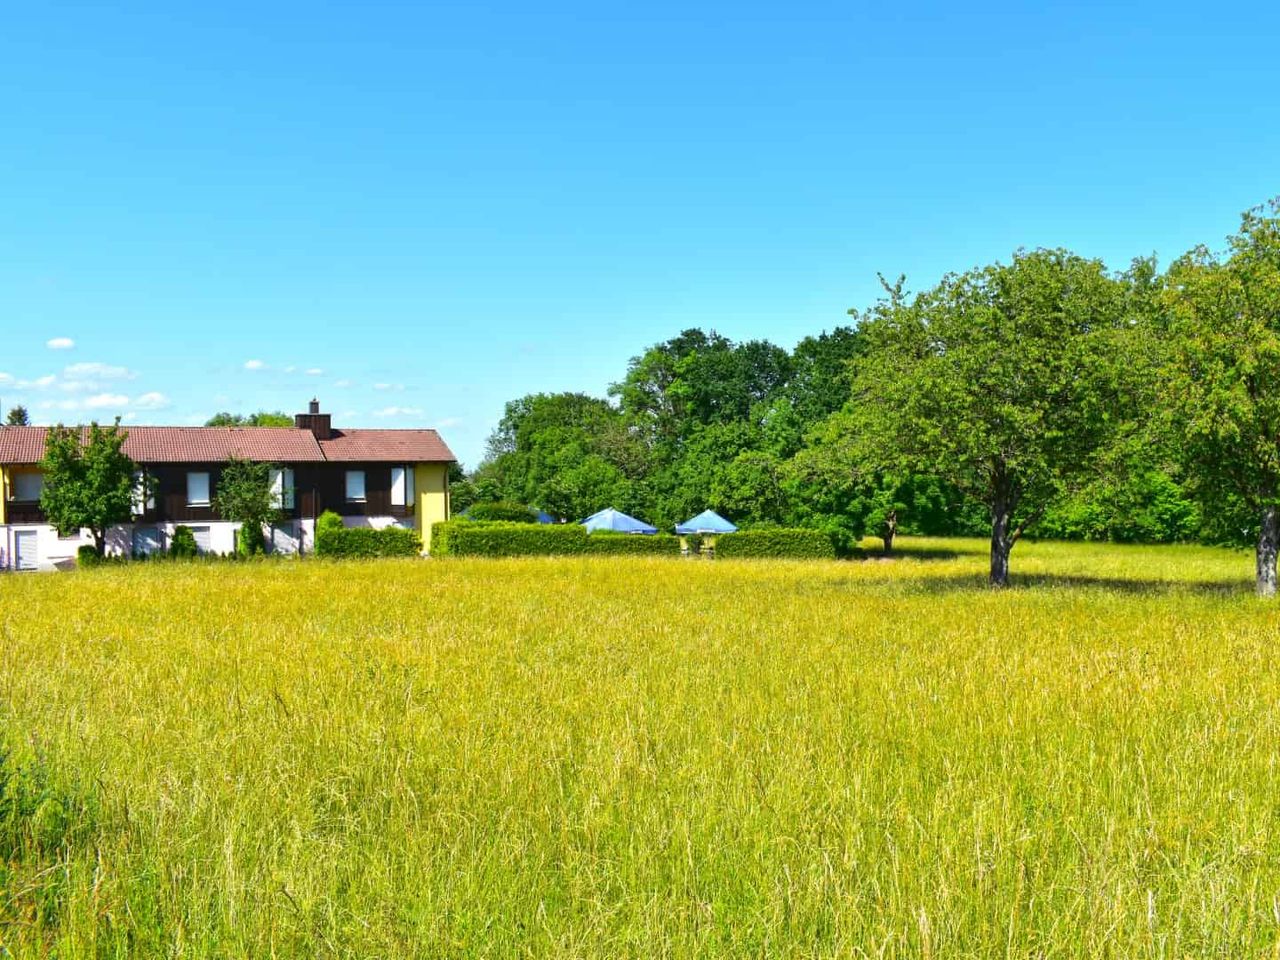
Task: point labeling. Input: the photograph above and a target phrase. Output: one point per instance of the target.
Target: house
(370, 477)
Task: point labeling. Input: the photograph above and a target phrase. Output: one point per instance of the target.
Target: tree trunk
(1001, 542)
(889, 531)
(100, 542)
(1268, 545)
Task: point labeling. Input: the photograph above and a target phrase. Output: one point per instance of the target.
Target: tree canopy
(87, 485)
(263, 418)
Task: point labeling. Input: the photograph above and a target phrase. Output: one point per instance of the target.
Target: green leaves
(87, 484)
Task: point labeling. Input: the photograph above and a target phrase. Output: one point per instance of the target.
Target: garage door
(146, 541)
(204, 539)
(24, 550)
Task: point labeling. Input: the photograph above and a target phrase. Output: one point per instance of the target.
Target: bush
(471, 539)
(776, 542)
(463, 538)
(87, 556)
(333, 539)
(633, 544)
(183, 544)
(502, 511)
(251, 541)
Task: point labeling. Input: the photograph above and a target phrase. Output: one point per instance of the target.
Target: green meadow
(632, 757)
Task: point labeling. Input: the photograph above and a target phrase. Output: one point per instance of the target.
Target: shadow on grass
(970, 582)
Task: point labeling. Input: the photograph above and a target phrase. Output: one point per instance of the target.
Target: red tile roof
(25, 445)
(403, 446)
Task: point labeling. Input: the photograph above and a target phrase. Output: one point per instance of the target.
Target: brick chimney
(315, 421)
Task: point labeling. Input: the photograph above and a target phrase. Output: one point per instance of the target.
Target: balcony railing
(23, 511)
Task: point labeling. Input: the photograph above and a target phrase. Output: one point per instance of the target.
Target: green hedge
(501, 511)
(473, 538)
(470, 538)
(776, 542)
(333, 539)
(633, 544)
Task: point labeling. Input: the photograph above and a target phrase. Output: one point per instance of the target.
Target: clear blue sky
(440, 208)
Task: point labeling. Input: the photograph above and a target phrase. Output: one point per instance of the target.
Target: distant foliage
(778, 543)
(502, 511)
(17, 417)
(338, 541)
(263, 418)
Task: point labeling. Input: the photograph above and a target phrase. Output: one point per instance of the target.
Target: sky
(417, 212)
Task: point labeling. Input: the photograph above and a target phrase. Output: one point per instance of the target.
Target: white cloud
(314, 372)
(254, 364)
(154, 400)
(45, 381)
(60, 343)
(96, 371)
(99, 400)
(398, 412)
(342, 383)
(449, 422)
(6, 378)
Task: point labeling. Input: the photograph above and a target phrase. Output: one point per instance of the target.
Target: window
(144, 493)
(355, 486)
(197, 489)
(282, 487)
(402, 486)
(27, 486)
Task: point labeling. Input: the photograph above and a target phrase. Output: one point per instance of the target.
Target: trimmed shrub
(502, 511)
(461, 538)
(87, 556)
(342, 542)
(469, 538)
(776, 542)
(634, 544)
(183, 543)
(250, 541)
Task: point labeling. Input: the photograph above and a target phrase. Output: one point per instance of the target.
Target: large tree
(1002, 381)
(245, 496)
(88, 480)
(17, 417)
(1223, 379)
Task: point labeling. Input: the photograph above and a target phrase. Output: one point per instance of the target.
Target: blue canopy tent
(611, 519)
(708, 521)
(544, 517)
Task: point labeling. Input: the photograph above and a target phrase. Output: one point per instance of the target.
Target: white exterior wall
(54, 552)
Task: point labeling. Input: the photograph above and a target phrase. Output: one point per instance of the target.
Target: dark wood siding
(317, 487)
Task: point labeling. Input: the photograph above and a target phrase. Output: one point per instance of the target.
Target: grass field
(640, 758)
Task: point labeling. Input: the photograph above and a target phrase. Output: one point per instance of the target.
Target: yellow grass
(637, 758)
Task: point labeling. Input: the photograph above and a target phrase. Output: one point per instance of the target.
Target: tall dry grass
(627, 757)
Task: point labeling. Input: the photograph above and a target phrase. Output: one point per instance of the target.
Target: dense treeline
(1046, 396)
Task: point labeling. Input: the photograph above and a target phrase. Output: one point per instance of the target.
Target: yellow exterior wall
(431, 488)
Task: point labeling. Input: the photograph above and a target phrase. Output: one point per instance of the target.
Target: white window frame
(363, 490)
(142, 483)
(208, 492)
(401, 481)
(282, 487)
